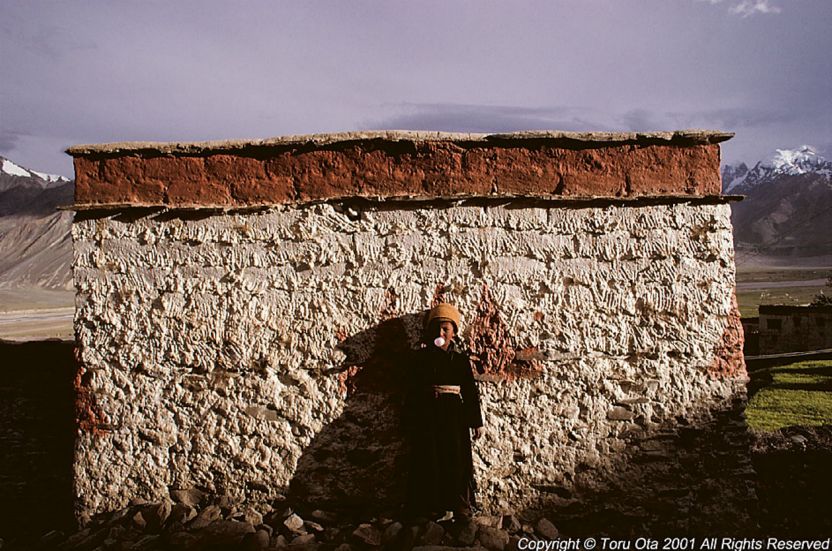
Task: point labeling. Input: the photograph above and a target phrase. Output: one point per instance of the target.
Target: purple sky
(85, 72)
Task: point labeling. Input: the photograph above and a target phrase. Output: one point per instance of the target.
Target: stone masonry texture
(216, 348)
(255, 350)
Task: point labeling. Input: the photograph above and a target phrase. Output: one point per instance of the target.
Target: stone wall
(794, 328)
(256, 351)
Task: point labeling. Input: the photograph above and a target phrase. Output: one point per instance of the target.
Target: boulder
(493, 539)
(367, 534)
(545, 529)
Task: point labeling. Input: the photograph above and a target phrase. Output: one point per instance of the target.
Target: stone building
(785, 328)
(242, 309)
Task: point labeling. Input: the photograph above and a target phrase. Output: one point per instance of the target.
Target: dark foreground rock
(219, 525)
(793, 481)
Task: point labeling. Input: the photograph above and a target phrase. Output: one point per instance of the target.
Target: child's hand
(477, 433)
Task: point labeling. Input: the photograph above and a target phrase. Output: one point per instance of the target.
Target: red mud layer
(300, 172)
(728, 357)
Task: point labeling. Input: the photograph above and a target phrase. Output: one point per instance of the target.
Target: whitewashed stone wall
(211, 342)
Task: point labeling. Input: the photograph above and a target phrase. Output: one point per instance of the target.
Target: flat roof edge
(586, 139)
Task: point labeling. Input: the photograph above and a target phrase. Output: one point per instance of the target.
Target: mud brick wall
(251, 346)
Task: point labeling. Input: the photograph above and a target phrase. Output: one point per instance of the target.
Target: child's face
(446, 331)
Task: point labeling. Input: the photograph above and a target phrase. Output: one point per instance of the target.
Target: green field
(795, 394)
(749, 301)
(793, 286)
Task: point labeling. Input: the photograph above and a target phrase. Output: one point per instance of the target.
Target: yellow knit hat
(445, 311)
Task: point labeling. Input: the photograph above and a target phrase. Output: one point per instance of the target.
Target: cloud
(453, 117)
(731, 118)
(9, 140)
(747, 8)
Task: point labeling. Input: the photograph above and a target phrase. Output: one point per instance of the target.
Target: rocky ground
(193, 522)
(794, 484)
(793, 487)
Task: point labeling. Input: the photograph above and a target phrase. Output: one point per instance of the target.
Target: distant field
(778, 284)
(749, 301)
(794, 394)
(34, 298)
(32, 313)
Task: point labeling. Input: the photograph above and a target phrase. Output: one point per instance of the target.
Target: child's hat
(445, 312)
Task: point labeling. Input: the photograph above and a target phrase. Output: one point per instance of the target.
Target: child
(442, 407)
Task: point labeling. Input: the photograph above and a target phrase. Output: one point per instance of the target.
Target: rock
(156, 515)
(77, 539)
(190, 496)
(367, 534)
(513, 543)
(314, 526)
(252, 516)
(304, 539)
(510, 523)
(116, 532)
(294, 523)
(798, 439)
(147, 543)
(225, 502)
(432, 534)
(205, 517)
(467, 533)
(280, 541)
(181, 513)
(391, 532)
(226, 532)
(619, 413)
(545, 529)
(344, 547)
(323, 516)
(488, 521)
(183, 541)
(492, 538)
(257, 541)
(139, 521)
(267, 528)
(50, 538)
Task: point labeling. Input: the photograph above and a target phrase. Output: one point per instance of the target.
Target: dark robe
(441, 466)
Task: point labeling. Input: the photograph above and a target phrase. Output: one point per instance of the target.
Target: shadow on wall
(678, 478)
(37, 436)
(358, 462)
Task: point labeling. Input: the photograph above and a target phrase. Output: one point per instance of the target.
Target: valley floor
(31, 313)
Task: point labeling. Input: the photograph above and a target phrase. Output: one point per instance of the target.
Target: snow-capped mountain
(35, 241)
(792, 162)
(787, 210)
(14, 175)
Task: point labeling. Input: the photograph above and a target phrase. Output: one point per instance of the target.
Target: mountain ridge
(35, 237)
(787, 208)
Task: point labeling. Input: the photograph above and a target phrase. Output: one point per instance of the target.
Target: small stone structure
(242, 308)
(785, 328)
